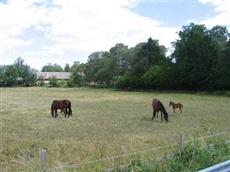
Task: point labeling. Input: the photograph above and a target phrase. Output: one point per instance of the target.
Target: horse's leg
(154, 114)
(161, 116)
(174, 109)
(66, 112)
(52, 112)
(70, 111)
(56, 114)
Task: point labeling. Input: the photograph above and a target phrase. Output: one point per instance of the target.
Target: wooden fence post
(181, 142)
(43, 156)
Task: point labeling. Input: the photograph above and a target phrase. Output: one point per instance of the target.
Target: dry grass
(104, 123)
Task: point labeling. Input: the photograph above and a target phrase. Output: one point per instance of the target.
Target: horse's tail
(181, 105)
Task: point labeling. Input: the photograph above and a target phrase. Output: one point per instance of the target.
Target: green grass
(196, 156)
(104, 123)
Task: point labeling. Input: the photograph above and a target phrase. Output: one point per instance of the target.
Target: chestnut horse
(176, 105)
(63, 105)
(159, 107)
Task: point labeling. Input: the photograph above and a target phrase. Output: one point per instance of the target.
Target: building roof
(58, 75)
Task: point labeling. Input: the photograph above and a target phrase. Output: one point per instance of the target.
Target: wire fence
(180, 146)
(43, 166)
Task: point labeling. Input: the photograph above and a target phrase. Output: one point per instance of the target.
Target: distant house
(45, 76)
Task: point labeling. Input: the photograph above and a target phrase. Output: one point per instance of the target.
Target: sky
(64, 31)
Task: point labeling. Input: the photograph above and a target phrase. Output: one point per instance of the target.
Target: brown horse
(63, 105)
(176, 105)
(68, 110)
(159, 107)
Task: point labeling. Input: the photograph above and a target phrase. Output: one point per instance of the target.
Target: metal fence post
(181, 142)
(43, 156)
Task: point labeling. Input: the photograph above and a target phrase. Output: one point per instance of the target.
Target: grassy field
(104, 123)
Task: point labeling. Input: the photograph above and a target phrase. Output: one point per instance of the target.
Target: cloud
(75, 27)
(223, 10)
(15, 17)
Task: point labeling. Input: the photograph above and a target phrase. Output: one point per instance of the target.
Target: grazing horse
(176, 105)
(63, 105)
(68, 110)
(158, 106)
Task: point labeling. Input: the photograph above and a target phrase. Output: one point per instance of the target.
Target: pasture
(104, 123)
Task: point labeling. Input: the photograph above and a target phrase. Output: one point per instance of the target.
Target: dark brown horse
(176, 105)
(159, 107)
(63, 105)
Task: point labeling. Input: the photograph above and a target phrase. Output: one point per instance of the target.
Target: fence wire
(112, 158)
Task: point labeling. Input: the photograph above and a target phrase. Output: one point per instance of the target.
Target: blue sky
(64, 31)
(174, 13)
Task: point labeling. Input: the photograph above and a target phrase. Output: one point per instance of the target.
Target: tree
(67, 68)
(220, 35)
(26, 76)
(224, 66)
(3, 75)
(17, 74)
(52, 68)
(77, 77)
(143, 56)
(196, 57)
(147, 54)
(9, 76)
(93, 65)
(120, 59)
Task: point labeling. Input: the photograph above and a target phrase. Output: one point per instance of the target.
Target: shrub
(53, 82)
(195, 157)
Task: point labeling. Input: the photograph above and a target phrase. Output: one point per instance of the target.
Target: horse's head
(166, 116)
(170, 103)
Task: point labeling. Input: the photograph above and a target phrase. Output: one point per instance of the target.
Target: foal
(176, 105)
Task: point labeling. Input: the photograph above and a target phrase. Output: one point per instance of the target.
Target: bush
(128, 81)
(195, 157)
(53, 82)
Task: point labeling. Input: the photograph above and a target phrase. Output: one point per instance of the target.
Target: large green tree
(196, 57)
(143, 57)
(26, 76)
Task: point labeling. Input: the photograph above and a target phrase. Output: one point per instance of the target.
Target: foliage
(17, 74)
(198, 57)
(199, 61)
(67, 68)
(77, 77)
(53, 82)
(195, 157)
(52, 68)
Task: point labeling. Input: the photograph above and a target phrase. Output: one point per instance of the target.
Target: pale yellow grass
(104, 123)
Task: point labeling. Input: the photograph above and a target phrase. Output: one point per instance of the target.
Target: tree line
(200, 61)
